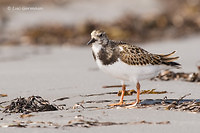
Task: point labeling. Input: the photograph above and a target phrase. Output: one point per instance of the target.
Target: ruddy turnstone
(128, 62)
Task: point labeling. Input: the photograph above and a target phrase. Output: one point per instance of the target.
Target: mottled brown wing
(134, 55)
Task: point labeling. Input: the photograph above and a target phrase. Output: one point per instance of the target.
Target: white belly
(127, 72)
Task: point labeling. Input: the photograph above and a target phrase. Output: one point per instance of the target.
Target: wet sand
(57, 72)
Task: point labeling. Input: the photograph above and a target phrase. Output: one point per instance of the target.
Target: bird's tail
(169, 61)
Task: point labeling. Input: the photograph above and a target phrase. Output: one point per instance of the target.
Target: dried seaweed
(17, 125)
(90, 123)
(99, 94)
(99, 101)
(170, 75)
(191, 106)
(152, 91)
(78, 121)
(127, 92)
(28, 105)
(26, 115)
(181, 104)
(3, 95)
(32, 124)
(81, 121)
(186, 106)
(61, 99)
(112, 86)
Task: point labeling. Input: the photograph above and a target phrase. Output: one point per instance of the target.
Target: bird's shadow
(166, 101)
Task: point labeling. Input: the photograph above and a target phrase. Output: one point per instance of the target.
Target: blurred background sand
(68, 22)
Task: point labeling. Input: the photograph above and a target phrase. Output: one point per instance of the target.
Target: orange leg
(138, 92)
(138, 95)
(122, 97)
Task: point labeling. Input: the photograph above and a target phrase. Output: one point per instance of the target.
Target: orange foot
(131, 105)
(117, 104)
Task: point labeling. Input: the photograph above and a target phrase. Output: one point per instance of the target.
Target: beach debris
(191, 106)
(127, 92)
(113, 86)
(30, 124)
(130, 92)
(77, 105)
(16, 125)
(170, 75)
(152, 91)
(81, 121)
(61, 99)
(28, 105)
(181, 104)
(78, 121)
(3, 95)
(26, 115)
(99, 94)
(99, 101)
(90, 123)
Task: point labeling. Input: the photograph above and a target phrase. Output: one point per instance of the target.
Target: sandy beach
(54, 72)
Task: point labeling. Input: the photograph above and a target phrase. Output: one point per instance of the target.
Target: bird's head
(98, 36)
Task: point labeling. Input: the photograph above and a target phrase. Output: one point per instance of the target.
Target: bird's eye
(101, 35)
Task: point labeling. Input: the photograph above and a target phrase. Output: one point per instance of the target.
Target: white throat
(96, 48)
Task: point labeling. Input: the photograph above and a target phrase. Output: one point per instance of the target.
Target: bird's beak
(91, 41)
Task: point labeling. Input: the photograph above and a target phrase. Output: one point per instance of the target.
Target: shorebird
(128, 62)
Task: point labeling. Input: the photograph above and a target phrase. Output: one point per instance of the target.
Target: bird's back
(134, 55)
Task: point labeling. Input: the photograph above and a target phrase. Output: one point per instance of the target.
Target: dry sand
(56, 72)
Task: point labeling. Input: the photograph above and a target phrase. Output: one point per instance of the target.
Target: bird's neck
(106, 54)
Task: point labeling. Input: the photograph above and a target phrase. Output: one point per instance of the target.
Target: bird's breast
(106, 54)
